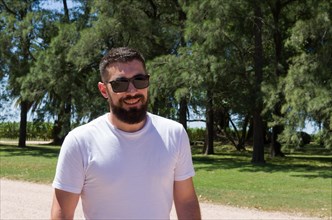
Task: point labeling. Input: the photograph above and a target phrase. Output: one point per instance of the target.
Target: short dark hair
(120, 54)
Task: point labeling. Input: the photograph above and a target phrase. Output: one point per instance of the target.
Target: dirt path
(23, 200)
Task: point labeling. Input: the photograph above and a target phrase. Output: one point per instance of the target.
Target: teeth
(131, 101)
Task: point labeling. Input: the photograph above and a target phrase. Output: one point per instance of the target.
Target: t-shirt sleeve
(70, 167)
(184, 167)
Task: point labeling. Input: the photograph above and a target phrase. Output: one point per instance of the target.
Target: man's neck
(125, 126)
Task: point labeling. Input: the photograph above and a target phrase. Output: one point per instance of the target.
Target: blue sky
(53, 4)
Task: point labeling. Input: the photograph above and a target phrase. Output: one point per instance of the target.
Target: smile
(132, 101)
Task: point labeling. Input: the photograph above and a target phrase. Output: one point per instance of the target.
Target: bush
(196, 134)
(323, 138)
(35, 130)
(304, 138)
(294, 139)
(9, 130)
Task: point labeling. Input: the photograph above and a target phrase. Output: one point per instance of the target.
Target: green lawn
(35, 163)
(300, 182)
(293, 184)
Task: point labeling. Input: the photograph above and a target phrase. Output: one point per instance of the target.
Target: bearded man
(128, 163)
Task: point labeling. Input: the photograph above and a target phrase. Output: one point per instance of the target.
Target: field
(298, 183)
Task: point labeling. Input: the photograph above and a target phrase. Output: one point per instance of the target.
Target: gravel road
(23, 200)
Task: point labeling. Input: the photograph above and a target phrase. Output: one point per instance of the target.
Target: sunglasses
(140, 81)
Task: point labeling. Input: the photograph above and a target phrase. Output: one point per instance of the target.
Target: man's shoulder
(90, 126)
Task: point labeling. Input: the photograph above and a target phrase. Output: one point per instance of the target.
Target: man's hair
(120, 54)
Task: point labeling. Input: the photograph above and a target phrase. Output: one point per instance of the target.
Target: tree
(280, 67)
(282, 19)
(21, 24)
(67, 70)
(308, 84)
(153, 27)
(258, 146)
(52, 79)
(224, 30)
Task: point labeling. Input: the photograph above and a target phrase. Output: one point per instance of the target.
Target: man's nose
(131, 87)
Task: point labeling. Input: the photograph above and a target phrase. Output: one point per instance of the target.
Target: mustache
(138, 96)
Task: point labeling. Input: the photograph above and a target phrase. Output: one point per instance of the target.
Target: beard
(132, 115)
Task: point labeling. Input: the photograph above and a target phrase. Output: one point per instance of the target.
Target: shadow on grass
(37, 151)
(305, 166)
(308, 166)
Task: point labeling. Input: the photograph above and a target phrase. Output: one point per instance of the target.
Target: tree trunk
(242, 141)
(183, 112)
(258, 147)
(183, 102)
(277, 129)
(221, 118)
(62, 126)
(275, 149)
(258, 151)
(239, 145)
(66, 11)
(23, 124)
(25, 105)
(208, 148)
(56, 132)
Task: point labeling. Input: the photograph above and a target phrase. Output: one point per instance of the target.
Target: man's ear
(103, 90)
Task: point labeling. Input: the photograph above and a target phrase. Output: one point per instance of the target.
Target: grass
(298, 183)
(33, 163)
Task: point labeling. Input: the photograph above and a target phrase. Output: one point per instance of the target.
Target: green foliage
(35, 130)
(198, 52)
(308, 85)
(66, 71)
(25, 31)
(322, 137)
(196, 134)
(176, 77)
(9, 130)
(297, 139)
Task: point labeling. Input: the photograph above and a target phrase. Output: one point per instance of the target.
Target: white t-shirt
(123, 175)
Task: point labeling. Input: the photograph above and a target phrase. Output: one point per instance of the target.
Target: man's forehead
(119, 69)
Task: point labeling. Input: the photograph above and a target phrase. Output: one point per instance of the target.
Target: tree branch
(196, 120)
(8, 9)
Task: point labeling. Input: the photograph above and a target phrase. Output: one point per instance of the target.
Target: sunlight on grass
(35, 164)
(298, 183)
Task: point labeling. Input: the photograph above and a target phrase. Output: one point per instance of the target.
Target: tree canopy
(264, 63)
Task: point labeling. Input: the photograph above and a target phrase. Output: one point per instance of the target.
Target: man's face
(131, 105)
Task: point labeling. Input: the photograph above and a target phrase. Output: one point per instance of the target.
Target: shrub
(196, 134)
(304, 138)
(294, 139)
(9, 130)
(323, 138)
(35, 130)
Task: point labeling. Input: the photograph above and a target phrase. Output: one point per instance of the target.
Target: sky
(56, 4)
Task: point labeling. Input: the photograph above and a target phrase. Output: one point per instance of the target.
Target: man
(126, 164)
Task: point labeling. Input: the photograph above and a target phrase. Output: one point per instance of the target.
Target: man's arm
(64, 204)
(185, 200)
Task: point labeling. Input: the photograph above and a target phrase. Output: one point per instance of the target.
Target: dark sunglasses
(140, 81)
